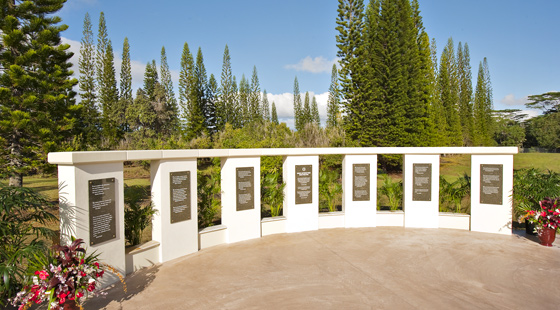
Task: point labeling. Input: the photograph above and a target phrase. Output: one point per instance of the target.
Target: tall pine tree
(37, 109)
(89, 121)
(265, 108)
(125, 99)
(225, 107)
(465, 93)
(316, 119)
(171, 102)
(298, 109)
(255, 98)
(483, 120)
(333, 100)
(186, 77)
(274, 114)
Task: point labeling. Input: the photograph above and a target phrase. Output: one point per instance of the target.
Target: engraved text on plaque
(491, 177)
(180, 196)
(245, 189)
(102, 196)
(360, 179)
(422, 182)
(304, 183)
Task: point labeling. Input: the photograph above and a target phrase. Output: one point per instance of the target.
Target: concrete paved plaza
(364, 268)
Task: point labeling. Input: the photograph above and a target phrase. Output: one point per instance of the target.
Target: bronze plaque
(180, 196)
(245, 189)
(304, 179)
(422, 182)
(102, 210)
(360, 179)
(491, 184)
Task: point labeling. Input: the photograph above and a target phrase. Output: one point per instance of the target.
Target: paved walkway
(365, 268)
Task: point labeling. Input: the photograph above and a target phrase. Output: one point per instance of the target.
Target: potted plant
(531, 186)
(62, 277)
(546, 220)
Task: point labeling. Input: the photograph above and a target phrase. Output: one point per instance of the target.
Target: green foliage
(37, 110)
(330, 188)
(531, 186)
(393, 191)
(483, 106)
(452, 194)
(298, 107)
(226, 108)
(547, 102)
(24, 215)
(209, 194)
(89, 121)
(509, 131)
(274, 114)
(171, 123)
(272, 192)
(333, 101)
(138, 214)
(544, 131)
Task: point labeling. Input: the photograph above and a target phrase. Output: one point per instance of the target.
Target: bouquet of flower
(548, 216)
(66, 273)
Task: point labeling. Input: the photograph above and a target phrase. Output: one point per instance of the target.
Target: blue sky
(284, 39)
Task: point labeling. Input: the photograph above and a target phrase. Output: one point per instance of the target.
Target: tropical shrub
(329, 188)
(24, 215)
(209, 194)
(138, 214)
(451, 194)
(272, 193)
(531, 186)
(393, 191)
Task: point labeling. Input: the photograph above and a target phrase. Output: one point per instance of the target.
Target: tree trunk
(16, 180)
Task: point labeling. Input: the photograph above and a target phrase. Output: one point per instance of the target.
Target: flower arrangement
(65, 274)
(548, 216)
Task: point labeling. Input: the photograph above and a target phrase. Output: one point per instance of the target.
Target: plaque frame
(308, 171)
(419, 192)
(185, 214)
(247, 190)
(366, 187)
(492, 198)
(102, 196)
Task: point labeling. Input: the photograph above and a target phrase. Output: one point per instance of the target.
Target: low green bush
(24, 216)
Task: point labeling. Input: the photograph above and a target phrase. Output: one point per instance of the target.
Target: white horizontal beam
(72, 158)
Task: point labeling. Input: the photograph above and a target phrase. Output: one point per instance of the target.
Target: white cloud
(314, 65)
(510, 100)
(285, 106)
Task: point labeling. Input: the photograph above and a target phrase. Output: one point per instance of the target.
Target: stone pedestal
(491, 187)
(241, 198)
(359, 196)
(301, 194)
(421, 191)
(174, 195)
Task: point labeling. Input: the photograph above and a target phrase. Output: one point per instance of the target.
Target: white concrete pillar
(359, 195)
(241, 197)
(491, 187)
(174, 195)
(92, 208)
(301, 193)
(421, 191)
